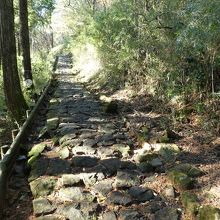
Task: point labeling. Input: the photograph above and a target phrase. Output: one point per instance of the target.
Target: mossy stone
(181, 180)
(209, 213)
(52, 123)
(195, 172)
(169, 151)
(43, 186)
(148, 157)
(188, 169)
(145, 167)
(36, 150)
(38, 168)
(32, 160)
(190, 202)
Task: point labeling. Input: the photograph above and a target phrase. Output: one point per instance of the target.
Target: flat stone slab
(128, 214)
(42, 206)
(167, 213)
(71, 212)
(127, 178)
(75, 194)
(140, 194)
(90, 179)
(64, 153)
(83, 150)
(58, 166)
(111, 165)
(52, 123)
(70, 179)
(67, 137)
(84, 161)
(109, 216)
(103, 187)
(43, 186)
(119, 198)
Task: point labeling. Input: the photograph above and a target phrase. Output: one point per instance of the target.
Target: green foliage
(40, 12)
(41, 68)
(175, 43)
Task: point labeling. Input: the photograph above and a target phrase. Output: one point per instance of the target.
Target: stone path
(88, 168)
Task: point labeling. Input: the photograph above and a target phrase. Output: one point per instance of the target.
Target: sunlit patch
(87, 61)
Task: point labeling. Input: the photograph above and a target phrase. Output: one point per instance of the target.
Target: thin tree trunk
(25, 42)
(13, 94)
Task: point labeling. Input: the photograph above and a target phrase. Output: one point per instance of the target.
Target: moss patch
(188, 169)
(180, 180)
(148, 157)
(190, 202)
(208, 213)
(36, 150)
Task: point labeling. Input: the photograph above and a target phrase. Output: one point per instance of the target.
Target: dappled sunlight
(86, 62)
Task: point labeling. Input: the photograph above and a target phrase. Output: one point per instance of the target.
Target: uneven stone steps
(89, 168)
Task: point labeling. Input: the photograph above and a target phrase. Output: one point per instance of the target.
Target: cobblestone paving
(87, 168)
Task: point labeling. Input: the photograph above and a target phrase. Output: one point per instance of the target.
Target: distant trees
(13, 94)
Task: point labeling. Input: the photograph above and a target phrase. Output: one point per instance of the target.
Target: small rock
(42, 206)
(75, 194)
(64, 153)
(52, 123)
(141, 194)
(119, 198)
(109, 216)
(66, 137)
(128, 214)
(89, 210)
(83, 150)
(89, 143)
(188, 169)
(70, 179)
(145, 167)
(122, 148)
(153, 206)
(127, 179)
(147, 157)
(111, 165)
(90, 179)
(103, 187)
(167, 213)
(156, 162)
(71, 212)
(169, 192)
(37, 149)
(168, 151)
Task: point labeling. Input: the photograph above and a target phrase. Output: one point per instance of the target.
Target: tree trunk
(13, 94)
(25, 42)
